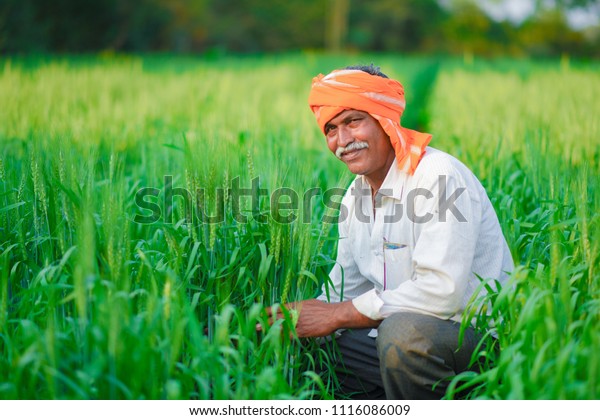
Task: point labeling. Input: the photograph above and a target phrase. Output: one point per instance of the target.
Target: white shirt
(432, 234)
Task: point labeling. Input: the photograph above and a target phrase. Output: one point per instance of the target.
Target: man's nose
(344, 136)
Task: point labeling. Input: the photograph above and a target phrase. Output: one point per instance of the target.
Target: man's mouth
(351, 150)
(347, 156)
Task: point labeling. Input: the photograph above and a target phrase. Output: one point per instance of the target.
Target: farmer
(416, 233)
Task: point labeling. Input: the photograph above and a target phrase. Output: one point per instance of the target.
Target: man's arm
(317, 318)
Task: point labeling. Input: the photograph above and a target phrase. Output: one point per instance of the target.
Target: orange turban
(382, 98)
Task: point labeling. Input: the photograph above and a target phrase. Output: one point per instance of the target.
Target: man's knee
(416, 353)
(404, 336)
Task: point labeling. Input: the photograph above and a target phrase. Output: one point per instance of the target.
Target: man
(419, 232)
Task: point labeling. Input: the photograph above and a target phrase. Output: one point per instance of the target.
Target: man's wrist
(347, 316)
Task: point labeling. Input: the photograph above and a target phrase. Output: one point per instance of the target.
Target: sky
(518, 10)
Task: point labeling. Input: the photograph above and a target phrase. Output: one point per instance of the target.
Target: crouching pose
(416, 232)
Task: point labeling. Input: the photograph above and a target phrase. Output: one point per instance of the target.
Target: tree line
(202, 26)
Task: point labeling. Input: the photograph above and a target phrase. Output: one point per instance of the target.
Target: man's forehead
(345, 114)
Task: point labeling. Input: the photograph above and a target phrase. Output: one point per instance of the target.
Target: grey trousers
(412, 358)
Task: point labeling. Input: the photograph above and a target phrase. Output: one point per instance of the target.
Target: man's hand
(318, 319)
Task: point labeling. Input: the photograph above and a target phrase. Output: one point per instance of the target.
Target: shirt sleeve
(443, 253)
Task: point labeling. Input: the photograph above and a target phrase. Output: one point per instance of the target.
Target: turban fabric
(382, 98)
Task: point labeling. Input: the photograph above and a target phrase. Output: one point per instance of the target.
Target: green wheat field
(96, 302)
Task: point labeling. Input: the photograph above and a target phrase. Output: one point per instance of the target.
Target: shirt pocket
(397, 263)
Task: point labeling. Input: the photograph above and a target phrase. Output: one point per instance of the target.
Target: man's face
(373, 153)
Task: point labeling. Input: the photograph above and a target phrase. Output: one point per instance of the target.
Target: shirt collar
(393, 183)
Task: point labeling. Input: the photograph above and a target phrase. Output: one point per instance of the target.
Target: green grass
(95, 305)
(535, 147)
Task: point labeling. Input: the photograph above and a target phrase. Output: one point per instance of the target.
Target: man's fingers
(279, 311)
(270, 311)
(297, 306)
(274, 308)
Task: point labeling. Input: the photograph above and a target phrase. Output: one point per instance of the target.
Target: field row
(95, 304)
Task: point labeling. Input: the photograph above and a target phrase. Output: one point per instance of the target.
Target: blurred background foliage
(544, 28)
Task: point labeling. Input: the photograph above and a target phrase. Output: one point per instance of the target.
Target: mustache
(357, 145)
